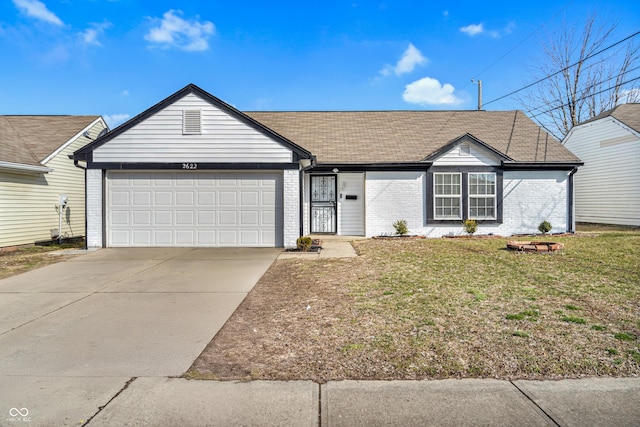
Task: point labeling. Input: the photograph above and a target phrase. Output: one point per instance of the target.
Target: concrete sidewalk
(332, 247)
(175, 401)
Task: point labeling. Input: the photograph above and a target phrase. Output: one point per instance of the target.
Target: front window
(482, 195)
(448, 195)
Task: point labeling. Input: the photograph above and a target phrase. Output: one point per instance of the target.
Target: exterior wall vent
(465, 150)
(191, 122)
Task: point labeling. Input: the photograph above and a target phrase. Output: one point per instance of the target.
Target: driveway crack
(100, 408)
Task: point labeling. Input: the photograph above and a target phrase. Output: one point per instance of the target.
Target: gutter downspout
(572, 202)
(302, 171)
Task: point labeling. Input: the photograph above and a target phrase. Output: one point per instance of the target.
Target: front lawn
(440, 308)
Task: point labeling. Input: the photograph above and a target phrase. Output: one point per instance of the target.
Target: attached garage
(192, 171)
(194, 209)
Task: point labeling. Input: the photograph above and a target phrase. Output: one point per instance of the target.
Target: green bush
(544, 227)
(401, 227)
(304, 243)
(470, 226)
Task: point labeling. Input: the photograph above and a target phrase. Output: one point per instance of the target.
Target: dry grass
(440, 308)
(27, 258)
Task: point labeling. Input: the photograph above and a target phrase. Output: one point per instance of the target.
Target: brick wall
(391, 196)
(94, 208)
(291, 206)
(529, 199)
(533, 197)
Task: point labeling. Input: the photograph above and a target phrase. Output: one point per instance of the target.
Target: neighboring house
(35, 169)
(194, 171)
(608, 186)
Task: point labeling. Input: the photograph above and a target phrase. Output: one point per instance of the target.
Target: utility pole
(479, 83)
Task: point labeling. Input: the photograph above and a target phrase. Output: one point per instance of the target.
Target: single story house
(35, 170)
(194, 171)
(608, 186)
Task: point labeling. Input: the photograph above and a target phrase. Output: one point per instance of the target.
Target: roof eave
(560, 165)
(370, 166)
(24, 169)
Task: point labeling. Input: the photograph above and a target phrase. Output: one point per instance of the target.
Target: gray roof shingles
(29, 140)
(410, 136)
(629, 114)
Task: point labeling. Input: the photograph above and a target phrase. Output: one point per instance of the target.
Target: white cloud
(114, 120)
(173, 31)
(473, 29)
(429, 91)
(90, 35)
(37, 9)
(407, 63)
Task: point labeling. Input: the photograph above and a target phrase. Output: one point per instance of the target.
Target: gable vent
(465, 150)
(191, 122)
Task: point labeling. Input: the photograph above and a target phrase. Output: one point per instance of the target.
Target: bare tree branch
(593, 84)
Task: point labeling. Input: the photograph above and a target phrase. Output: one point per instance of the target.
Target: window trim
(465, 171)
(482, 196)
(445, 196)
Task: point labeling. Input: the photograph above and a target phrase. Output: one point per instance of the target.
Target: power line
(521, 42)
(564, 69)
(585, 97)
(531, 110)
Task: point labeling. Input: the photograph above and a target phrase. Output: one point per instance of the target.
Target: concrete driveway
(80, 330)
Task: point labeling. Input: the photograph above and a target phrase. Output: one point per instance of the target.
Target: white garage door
(194, 209)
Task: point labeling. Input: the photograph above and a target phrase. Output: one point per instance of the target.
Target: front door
(323, 204)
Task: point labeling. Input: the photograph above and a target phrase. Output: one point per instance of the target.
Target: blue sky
(116, 58)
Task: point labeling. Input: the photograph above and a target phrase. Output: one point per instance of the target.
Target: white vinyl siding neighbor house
(607, 187)
(194, 171)
(30, 188)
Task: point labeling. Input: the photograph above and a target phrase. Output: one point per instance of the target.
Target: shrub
(401, 227)
(303, 243)
(470, 226)
(544, 227)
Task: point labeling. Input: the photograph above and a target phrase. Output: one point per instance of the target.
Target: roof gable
(471, 140)
(628, 114)
(191, 89)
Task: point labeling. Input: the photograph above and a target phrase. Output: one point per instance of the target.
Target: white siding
(160, 139)
(478, 156)
(29, 202)
(351, 212)
(607, 187)
(529, 198)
